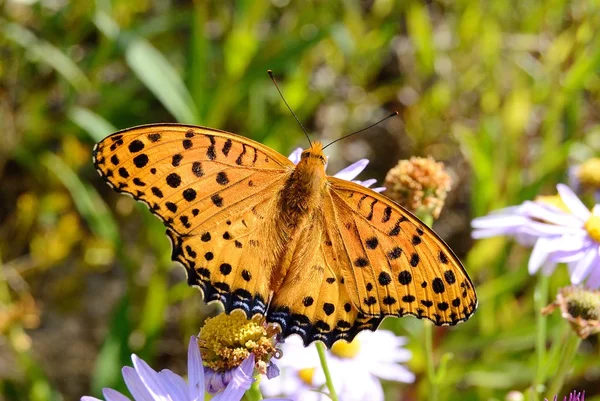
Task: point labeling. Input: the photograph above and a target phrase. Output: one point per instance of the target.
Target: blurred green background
(505, 93)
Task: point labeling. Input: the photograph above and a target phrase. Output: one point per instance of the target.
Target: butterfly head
(314, 155)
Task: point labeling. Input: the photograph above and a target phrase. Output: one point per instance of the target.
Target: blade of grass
(95, 126)
(87, 201)
(38, 50)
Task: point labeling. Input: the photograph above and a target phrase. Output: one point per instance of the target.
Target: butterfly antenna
(288, 106)
(364, 129)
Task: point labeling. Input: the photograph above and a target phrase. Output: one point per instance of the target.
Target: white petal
(177, 387)
(393, 372)
(596, 210)
(538, 255)
(135, 386)
(295, 155)
(573, 202)
(499, 221)
(353, 170)
(583, 266)
(542, 212)
(113, 395)
(89, 398)
(593, 281)
(195, 371)
(359, 385)
(379, 189)
(548, 267)
(150, 379)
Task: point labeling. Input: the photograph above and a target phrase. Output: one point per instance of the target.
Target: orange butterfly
(322, 257)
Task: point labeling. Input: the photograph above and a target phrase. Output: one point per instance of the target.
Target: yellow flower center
(553, 200)
(306, 375)
(593, 228)
(226, 340)
(589, 173)
(345, 349)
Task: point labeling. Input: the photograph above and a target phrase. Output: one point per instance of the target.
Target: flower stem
(328, 381)
(428, 333)
(431, 377)
(567, 356)
(253, 393)
(540, 299)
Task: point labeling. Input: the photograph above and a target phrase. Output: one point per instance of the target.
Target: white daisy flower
(356, 368)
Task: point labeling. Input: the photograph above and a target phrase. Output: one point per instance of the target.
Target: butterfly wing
(212, 190)
(377, 260)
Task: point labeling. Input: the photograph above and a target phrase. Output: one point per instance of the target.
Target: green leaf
(159, 76)
(96, 127)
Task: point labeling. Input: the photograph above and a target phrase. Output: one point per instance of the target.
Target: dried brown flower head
(419, 184)
(581, 307)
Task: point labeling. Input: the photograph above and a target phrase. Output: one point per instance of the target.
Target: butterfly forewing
(212, 190)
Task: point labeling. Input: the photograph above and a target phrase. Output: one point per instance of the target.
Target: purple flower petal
(379, 189)
(215, 381)
(538, 255)
(135, 386)
(353, 170)
(583, 266)
(177, 388)
(240, 382)
(113, 395)
(295, 155)
(367, 183)
(550, 215)
(573, 203)
(499, 221)
(593, 281)
(195, 371)
(88, 398)
(272, 371)
(150, 378)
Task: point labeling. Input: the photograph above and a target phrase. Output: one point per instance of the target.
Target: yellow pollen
(226, 340)
(593, 228)
(345, 349)
(306, 375)
(553, 200)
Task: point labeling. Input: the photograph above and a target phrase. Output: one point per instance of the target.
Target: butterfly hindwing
(398, 265)
(212, 190)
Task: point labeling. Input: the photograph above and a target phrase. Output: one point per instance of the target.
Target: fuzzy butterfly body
(322, 257)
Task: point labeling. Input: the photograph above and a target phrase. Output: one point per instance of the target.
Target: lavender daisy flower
(145, 384)
(356, 368)
(574, 396)
(570, 236)
(349, 173)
